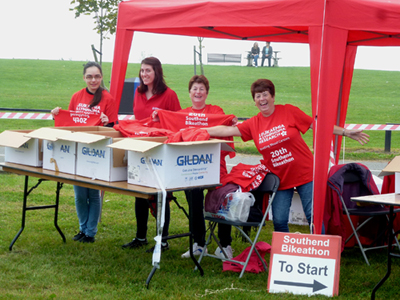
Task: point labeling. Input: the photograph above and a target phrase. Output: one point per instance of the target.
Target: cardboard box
(97, 161)
(178, 165)
(393, 167)
(20, 149)
(59, 154)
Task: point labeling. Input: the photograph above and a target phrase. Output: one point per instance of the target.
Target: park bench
(224, 58)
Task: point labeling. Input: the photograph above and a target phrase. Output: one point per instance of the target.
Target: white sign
(304, 264)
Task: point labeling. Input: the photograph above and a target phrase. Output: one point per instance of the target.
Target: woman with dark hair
(96, 99)
(151, 95)
(276, 131)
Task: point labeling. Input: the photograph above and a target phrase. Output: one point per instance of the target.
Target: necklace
(198, 109)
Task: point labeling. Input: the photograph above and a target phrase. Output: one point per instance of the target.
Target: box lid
(137, 145)
(392, 167)
(13, 139)
(48, 133)
(143, 145)
(83, 137)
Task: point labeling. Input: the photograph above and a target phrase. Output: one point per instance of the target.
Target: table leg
(59, 187)
(23, 214)
(26, 208)
(389, 259)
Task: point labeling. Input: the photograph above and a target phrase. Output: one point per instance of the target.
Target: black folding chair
(352, 187)
(269, 185)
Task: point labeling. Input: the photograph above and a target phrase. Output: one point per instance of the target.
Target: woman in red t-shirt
(151, 95)
(198, 92)
(276, 133)
(96, 99)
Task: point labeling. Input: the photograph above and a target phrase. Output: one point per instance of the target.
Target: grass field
(374, 97)
(41, 266)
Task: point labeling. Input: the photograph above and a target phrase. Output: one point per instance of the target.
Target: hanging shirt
(143, 107)
(73, 118)
(80, 102)
(210, 115)
(279, 141)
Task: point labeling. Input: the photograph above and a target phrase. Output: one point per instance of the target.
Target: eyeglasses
(90, 77)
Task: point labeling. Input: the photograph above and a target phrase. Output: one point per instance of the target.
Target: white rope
(160, 214)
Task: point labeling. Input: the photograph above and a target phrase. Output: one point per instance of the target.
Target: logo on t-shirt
(273, 133)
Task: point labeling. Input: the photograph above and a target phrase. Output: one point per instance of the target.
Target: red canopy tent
(332, 28)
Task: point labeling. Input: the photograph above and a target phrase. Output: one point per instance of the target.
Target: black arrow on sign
(316, 286)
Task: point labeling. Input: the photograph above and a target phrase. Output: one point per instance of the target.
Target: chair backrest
(270, 184)
(353, 186)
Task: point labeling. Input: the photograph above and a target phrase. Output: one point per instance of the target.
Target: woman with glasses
(95, 99)
(276, 131)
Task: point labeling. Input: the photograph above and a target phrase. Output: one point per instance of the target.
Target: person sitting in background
(255, 53)
(152, 94)
(276, 131)
(266, 54)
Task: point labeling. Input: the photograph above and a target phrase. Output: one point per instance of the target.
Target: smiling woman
(153, 93)
(276, 131)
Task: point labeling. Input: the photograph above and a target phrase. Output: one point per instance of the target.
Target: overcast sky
(46, 29)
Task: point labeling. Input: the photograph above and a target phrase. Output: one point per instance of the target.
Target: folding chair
(269, 185)
(354, 186)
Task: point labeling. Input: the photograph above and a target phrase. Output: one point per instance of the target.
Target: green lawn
(40, 84)
(41, 266)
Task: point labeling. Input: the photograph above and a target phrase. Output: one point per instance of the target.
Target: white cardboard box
(20, 149)
(97, 161)
(178, 165)
(60, 154)
(393, 167)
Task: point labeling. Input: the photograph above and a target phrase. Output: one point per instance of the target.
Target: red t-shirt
(80, 102)
(177, 120)
(143, 108)
(188, 117)
(209, 109)
(279, 141)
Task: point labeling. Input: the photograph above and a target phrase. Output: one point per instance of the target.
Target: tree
(105, 16)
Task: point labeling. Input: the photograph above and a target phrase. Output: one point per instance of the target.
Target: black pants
(198, 223)
(142, 216)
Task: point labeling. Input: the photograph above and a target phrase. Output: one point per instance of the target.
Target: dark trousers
(198, 223)
(142, 216)
(264, 58)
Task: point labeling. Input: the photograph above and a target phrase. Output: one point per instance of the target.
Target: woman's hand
(235, 121)
(357, 135)
(55, 111)
(155, 117)
(104, 119)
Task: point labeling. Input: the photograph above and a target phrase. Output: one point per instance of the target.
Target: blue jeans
(88, 206)
(283, 201)
(256, 59)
